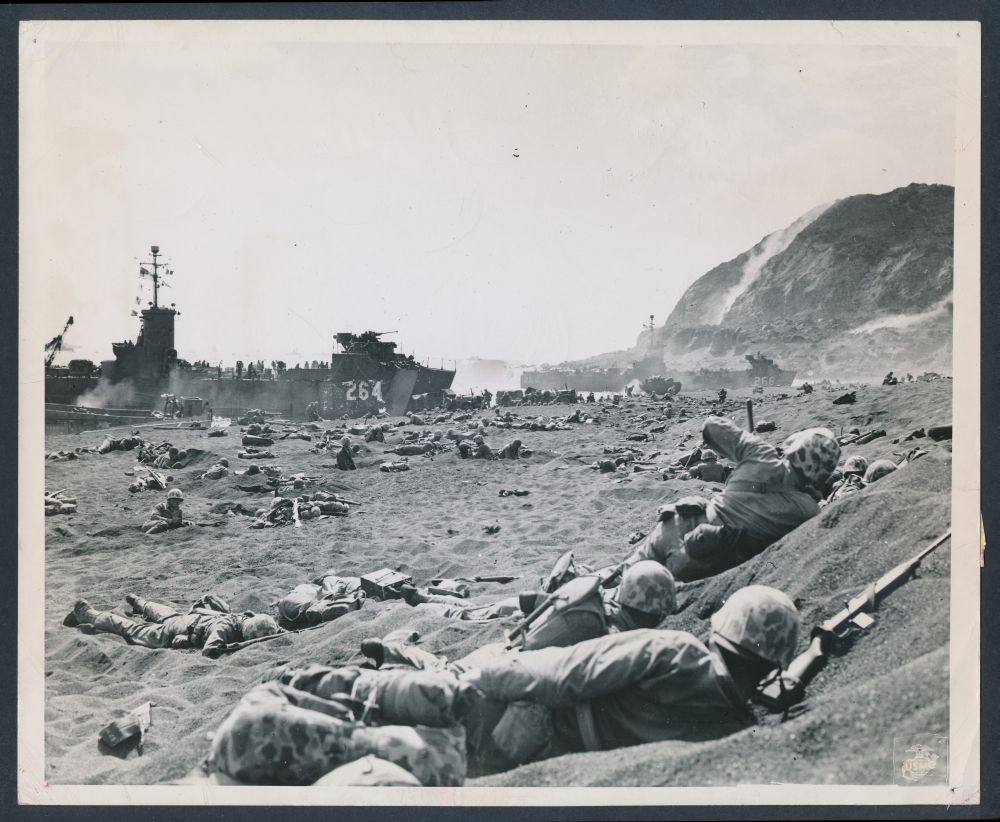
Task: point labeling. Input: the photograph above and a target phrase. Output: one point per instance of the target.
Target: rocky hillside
(849, 290)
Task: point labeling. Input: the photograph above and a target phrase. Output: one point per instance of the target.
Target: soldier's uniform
(851, 480)
(646, 588)
(119, 444)
(163, 627)
(511, 451)
(603, 693)
(217, 471)
(328, 598)
(284, 735)
(345, 456)
(709, 469)
(764, 498)
(163, 513)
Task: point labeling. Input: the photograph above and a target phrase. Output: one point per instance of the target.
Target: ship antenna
(155, 275)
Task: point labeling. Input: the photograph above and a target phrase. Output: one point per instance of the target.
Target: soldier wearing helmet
(644, 685)
(217, 471)
(709, 469)
(644, 598)
(481, 450)
(879, 469)
(168, 459)
(208, 625)
(765, 497)
(511, 451)
(345, 456)
(167, 515)
(851, 480)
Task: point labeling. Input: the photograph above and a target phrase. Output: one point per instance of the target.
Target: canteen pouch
(523, 732)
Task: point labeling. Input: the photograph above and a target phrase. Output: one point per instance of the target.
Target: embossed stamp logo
(920, 759)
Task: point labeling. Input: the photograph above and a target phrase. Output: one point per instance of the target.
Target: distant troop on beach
(591, 662)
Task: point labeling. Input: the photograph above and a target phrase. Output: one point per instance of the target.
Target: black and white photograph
(510, 412)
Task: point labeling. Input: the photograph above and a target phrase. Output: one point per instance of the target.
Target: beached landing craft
(763, 371)
(367, 373)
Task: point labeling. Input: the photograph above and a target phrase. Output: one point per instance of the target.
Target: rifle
(786, 689)
(750, 416)
(229, 647)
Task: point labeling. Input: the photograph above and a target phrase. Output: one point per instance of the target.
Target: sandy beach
(430, 522)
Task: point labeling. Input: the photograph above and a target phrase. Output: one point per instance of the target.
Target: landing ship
(365, 376)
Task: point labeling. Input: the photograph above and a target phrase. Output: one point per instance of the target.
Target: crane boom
(54, 346)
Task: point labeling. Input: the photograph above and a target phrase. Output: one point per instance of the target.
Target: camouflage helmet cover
(879, 469)
(761, 620)
(856, 464)
(369, 771)
(708, 455)
(175, 493)
(648, 587)
(814, 452)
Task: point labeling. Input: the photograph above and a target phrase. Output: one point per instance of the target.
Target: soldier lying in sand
(851, 480)
(326, 597)
(208, 625)
(119, 444)
(609, 692)
(765, 497)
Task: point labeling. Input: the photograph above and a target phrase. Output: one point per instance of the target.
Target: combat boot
(82, 614)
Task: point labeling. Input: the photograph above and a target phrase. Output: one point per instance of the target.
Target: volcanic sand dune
(429, 522)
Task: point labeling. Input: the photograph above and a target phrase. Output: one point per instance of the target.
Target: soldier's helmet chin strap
(752, 656)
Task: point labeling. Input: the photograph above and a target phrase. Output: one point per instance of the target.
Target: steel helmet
(172, 451)
(761, 621)
(345, 442)
(175, 493)
(814, 452)
(648, 587)
(708, 455)
(182, 454)
(224, 462)
(259, 625)
(856, 465)
(478, 440)
(879, 469)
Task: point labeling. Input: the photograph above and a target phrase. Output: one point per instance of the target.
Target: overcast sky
(527, 202)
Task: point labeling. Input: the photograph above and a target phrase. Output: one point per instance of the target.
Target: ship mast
(155, 274)
(650, 327)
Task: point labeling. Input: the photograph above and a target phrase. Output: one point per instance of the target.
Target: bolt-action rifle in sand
(786, 689)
